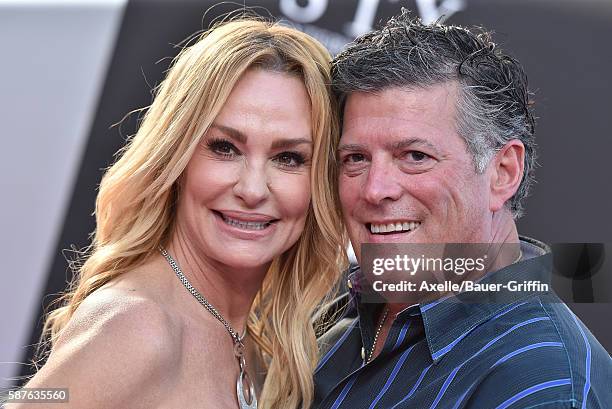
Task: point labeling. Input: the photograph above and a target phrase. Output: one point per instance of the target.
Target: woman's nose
(252, 186)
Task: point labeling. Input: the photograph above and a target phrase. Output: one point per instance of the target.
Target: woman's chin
(247, 263)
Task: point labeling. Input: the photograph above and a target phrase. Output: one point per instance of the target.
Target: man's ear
(507, 173)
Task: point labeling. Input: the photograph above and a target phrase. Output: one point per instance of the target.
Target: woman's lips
(245, 225)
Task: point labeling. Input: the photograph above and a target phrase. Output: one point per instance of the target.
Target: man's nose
(252, 186)
(381, 183)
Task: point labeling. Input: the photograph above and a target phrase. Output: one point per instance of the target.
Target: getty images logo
(429, 11)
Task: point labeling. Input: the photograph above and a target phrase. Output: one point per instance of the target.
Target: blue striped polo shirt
(531, 352)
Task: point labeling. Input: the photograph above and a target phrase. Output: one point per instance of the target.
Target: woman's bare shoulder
(114, 311)
(120, 347)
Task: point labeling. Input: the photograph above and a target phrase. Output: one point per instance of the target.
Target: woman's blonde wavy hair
(135, 207)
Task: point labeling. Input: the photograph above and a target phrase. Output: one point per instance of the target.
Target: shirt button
(362, 353)
(349, 283)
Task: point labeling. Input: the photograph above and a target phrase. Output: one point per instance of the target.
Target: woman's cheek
(294, 193)
(210, 174)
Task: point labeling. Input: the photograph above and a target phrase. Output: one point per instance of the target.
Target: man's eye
(354, 158)
(222, 147)
(290, 159)
(416, 162)
(417, 156)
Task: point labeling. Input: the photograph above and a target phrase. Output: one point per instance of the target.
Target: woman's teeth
(245, 225)
(393, 227)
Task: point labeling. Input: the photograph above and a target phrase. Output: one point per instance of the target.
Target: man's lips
(392, 226)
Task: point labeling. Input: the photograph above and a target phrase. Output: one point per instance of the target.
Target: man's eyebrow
(391, 145)
(405, 143)
(231, 132)
(351, 147)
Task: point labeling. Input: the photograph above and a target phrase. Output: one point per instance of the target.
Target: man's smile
(395, 226)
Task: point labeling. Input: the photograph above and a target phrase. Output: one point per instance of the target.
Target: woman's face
(246, 190)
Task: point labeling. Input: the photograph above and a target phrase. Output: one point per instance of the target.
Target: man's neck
(504, 232)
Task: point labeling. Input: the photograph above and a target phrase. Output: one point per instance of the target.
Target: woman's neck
(230, 290)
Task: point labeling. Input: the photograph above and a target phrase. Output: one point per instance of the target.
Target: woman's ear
(507, 173)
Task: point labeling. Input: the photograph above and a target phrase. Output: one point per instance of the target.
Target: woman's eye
(222, 147)
(290, 159)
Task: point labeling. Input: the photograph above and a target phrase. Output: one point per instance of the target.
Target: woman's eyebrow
(277, 144)
(290, 142)
(231, 132)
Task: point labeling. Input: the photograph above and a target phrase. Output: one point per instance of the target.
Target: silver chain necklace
(380, 326)
(236, 338)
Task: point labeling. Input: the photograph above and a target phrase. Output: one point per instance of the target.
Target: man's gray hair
(493, 105)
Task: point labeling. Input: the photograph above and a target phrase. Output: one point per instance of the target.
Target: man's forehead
(369, 124)
(402, 98)
(400, 107)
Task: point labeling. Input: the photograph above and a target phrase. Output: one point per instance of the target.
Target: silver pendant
(244, 376)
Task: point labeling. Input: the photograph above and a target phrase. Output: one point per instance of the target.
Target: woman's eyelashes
(222, 147)
(286, 159)
(291, 159)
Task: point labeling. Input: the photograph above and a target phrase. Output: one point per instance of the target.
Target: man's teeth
(245, 225)
(391, 227)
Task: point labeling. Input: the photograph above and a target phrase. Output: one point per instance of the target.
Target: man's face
(406, 175)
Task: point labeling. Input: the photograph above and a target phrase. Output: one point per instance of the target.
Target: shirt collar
(447, 320)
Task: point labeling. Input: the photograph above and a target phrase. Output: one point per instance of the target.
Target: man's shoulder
(590, 363)
(551, 322)
(555, 359)
(575, 336)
